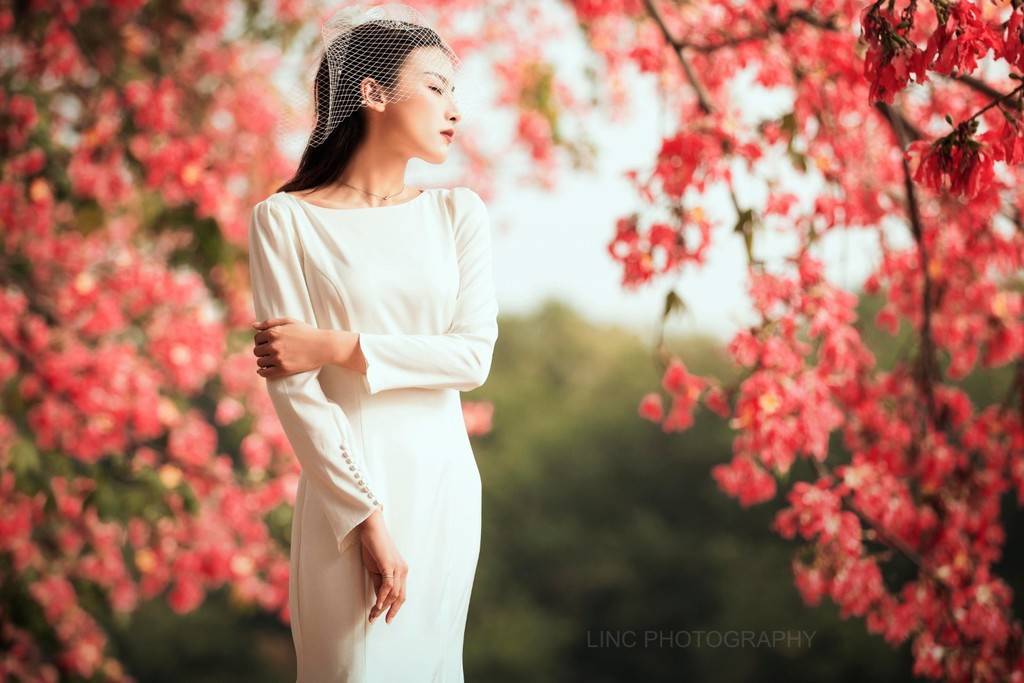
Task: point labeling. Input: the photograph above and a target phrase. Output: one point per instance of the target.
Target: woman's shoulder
(465, 201)
(277, 206)
(273, 214)
(276, 200)
(462, 194)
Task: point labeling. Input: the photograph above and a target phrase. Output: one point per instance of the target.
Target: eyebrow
(446, 81)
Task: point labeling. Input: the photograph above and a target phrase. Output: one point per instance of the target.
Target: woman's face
(416, 121)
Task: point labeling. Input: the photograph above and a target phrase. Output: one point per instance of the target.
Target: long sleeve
(318, 430)
(460, 358)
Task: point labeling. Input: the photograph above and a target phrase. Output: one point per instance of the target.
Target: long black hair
(323, 164)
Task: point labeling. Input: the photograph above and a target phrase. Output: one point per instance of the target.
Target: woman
(376, 307)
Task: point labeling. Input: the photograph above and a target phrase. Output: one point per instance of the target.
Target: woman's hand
(284, 346)
(387, 569)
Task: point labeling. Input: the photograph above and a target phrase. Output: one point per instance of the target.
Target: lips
(449, 134)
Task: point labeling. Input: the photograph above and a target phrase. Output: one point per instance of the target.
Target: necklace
(383, 197)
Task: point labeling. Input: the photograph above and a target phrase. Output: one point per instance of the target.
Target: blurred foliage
(222, 642)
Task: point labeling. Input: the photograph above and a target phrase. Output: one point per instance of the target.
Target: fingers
(264, 324)
(266, 356)
(396, 605)
(390, 593)
(384, 597)
(262, 341)
(268, 367)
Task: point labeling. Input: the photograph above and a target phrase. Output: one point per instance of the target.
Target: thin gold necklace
(383, 197)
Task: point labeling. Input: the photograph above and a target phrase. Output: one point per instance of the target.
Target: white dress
(415, 280)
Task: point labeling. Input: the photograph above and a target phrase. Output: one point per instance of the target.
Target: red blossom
(961, 38)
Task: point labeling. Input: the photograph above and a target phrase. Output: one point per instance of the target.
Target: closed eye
(436, 89)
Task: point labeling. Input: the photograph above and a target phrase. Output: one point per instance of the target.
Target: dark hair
(324, 163)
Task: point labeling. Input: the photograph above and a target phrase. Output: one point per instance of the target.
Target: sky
(553, 244)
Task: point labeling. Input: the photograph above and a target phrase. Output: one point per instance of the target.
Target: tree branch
(702, 96)
(927, 367)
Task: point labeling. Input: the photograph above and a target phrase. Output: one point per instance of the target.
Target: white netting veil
(369, 55)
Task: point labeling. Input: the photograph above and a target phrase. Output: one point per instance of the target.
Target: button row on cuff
(359, 477)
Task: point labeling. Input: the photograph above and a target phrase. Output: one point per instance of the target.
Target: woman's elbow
(480, 368)
(478, 375)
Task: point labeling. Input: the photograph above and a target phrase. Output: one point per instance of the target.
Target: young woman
(376, 307)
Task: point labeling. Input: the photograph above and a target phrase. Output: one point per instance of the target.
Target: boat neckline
(343, 209)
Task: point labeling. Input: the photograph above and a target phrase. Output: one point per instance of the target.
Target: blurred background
(594, 522)
(145, 485)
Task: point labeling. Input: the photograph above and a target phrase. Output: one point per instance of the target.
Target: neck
(375, 169)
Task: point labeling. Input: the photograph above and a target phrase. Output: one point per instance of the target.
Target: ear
(372, 94)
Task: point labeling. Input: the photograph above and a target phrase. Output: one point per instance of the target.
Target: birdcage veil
(360, 42)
